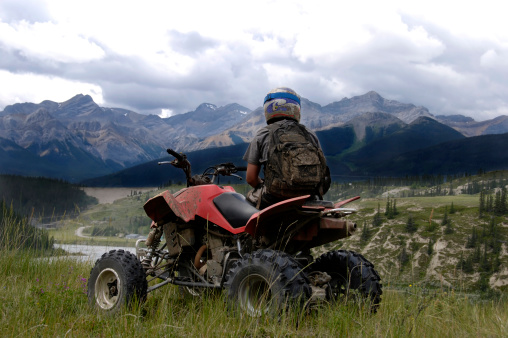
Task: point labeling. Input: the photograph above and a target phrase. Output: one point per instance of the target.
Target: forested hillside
(42, 197)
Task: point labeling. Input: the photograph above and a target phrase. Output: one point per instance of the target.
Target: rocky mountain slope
(53, 135)
(396, 149)
(384, 144)
(77, 139)
(469, 127)
(317, 117)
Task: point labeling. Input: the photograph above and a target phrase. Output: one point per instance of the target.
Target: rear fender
(341, 203)
(262, 218)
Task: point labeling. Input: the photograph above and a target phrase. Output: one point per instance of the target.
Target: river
(89, 253)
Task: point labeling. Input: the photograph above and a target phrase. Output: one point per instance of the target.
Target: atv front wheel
(353, 277)
(116, 280)
(266, 282)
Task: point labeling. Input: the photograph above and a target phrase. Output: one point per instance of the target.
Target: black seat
(235, 208)
(318, 203)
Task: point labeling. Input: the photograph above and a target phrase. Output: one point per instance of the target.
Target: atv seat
(235, 208)
(318, 203)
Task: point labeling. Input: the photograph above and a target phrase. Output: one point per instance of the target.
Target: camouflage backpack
(295, 166)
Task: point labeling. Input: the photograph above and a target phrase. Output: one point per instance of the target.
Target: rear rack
(340, 211)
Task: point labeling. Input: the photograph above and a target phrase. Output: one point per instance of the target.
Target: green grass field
(383, 247)
(427, 296)
(46, 298)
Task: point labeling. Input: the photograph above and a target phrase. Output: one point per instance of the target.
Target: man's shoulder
(285, 124)
(262, 132)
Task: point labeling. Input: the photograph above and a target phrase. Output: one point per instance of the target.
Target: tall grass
(46, 297)
(42, 296)
(16, 232)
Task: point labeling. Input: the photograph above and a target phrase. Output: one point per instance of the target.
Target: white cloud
(48, 41)
(495, 60)
(155, 55)
(36, 88)
(472, 19)
(165, 113)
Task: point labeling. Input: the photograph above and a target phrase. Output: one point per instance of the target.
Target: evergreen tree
(451, 192)
(448, 230)
(492, 227)
(485, 264)
(394, 208)
(410, 224)
(403, 257)
(483, 283)
(365, 233)
(430, 247)
(471, 241)
(445, 217)
(481, 208)
(490, 203)
(413, 246)
(503, 207)
(484, 232)
(389, 210)
(377, 221)
(477, 255)
(461, 264)
(495, 244)
(496, 264)
(467, 265)
(497, 203)
(452, 209)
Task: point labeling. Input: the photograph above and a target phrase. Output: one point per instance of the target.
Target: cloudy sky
(166, 57)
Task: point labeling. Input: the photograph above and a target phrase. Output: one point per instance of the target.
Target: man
(290, 154)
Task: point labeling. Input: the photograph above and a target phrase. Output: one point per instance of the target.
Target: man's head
(282, 103)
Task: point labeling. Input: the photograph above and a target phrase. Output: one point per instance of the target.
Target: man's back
(288, 152)
(295, 164)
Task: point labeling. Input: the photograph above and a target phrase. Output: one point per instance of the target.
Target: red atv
(215, 239)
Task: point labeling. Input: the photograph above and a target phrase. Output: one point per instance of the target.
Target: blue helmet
(282, 103)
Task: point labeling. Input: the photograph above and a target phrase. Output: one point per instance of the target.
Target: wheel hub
(254, 295)
(107, 287)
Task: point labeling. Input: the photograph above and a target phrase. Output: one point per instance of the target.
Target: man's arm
(252, 175)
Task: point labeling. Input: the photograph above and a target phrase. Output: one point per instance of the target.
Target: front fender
(160, 206)
(189, 203)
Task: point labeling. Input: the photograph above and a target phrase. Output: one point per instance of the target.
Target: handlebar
(209, 175)
(224, 169)
(176, 155)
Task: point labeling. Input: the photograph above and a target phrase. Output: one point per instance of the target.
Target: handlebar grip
(241, 168)
(178, 156)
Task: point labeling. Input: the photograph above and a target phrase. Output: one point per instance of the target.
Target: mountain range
(77, 139)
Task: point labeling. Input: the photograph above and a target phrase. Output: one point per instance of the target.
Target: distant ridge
(77, 139)
(349, 160)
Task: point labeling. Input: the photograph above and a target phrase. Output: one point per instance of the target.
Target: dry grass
(42, 297)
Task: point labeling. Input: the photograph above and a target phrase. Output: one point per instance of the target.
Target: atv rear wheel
(266, 282)
(116, 280)
(353, 277)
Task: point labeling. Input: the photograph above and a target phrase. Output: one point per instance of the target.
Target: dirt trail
(79, 232)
